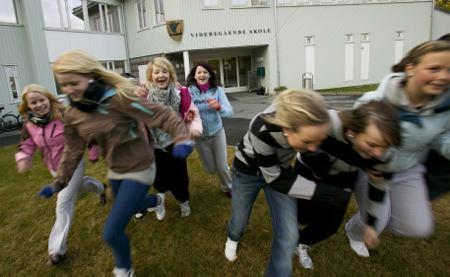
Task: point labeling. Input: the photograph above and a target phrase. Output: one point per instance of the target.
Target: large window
(67, 14)
(8, 12)
(160, 17)
(12, 80)
(141, 14)
(74, 15)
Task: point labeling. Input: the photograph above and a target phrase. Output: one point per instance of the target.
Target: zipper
(53, 131)
(45, 140)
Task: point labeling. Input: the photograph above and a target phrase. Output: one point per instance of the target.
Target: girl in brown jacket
(103, 109)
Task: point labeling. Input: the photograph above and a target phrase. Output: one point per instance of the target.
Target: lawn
(191, 246)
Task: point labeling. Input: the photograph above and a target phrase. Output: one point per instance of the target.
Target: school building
(251, 43)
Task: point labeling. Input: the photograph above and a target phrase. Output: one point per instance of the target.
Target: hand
(142, 92)
(23, 165)
(189, 116)
(194, 134)
(376, 177)
(370, 237)
(182, 150)
(214, 104)
(46, 192)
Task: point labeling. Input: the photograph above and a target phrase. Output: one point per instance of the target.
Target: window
(116, 66)
(12, 80)
(74, 15)
(248, 3)
(8, 12)
(142, 14)
(284, 2)
(104, 18)
(211, 3)
(67, 14)
(159, 12)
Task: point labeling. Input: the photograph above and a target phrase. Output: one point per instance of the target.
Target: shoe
(227, 193)
(160, 210)
(139, 215)
(230, 250)
(102, 196)
(122, 272)
(303, 257)
(185, 209)
(358, 246)
(54, 259)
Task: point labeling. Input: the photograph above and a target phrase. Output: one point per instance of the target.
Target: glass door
(229, 72)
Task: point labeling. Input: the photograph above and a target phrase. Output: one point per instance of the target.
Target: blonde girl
(104, 109)
(43, 131)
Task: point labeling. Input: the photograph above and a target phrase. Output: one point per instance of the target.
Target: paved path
(245, 105)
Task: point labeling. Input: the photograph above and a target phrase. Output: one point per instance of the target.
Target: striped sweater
(264, 150)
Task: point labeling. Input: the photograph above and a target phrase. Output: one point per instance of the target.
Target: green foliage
(354, 89)
(443, 5)
(279, 89)
(191, 246)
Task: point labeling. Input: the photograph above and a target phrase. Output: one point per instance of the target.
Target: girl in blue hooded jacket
(212, 103)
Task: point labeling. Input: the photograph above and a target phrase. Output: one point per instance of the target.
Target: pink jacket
(50, 142)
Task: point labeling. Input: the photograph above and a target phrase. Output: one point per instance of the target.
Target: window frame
(15, 76)
(212, 7)
(250, 4)
(16, 15)
(158, 6)
(141, 15)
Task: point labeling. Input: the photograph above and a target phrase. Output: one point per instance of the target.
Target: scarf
(40, 121)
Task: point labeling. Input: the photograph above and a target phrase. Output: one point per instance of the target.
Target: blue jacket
(211, 119)
(422, 129)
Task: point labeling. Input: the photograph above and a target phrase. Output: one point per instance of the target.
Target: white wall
(441, 24)
(102, 46)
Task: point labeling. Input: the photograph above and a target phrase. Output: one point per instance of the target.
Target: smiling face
(74, 85)
(38, 103)
(202, 75)
(160, 77)
(431, 76)
(307, 138)
(370, 143)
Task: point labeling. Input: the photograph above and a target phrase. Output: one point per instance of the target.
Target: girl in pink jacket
(43, 131)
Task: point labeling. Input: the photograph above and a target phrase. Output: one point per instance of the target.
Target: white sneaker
(358, 246)
(160, 210)
(185, 209)
(122, 272)
(230, 250)
(303, 257)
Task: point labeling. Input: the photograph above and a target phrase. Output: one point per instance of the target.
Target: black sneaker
(55, 259)
(102, 197)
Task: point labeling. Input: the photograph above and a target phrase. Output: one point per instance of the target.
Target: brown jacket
(114, 127)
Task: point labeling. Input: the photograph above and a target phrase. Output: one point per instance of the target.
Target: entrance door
(230, 72)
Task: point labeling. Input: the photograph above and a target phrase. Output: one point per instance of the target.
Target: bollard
(307, 81)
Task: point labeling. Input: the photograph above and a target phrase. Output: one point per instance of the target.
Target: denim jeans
(129, 197)
(283, 210)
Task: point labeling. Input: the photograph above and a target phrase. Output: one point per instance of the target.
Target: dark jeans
(129, 197)
(438, 175)
(171, 174)
(323, 214)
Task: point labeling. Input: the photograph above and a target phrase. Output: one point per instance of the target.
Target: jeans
(129, 197)
(283, 210)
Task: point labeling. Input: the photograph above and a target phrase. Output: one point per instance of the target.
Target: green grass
(354, 89)
(191, 246)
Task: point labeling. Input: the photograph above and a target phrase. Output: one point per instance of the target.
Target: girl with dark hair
(419, 90)
(358, 138)
(213, 104)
